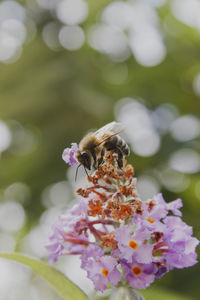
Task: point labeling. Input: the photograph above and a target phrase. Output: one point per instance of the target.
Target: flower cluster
(121, 239)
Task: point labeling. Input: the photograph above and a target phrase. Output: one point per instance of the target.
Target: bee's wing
(108, 130)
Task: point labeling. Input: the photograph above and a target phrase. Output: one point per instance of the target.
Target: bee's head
(85, 159)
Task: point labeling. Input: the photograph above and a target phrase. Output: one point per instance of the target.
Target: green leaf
(156, 293)
(64, 287)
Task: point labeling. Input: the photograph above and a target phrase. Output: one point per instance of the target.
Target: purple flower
(55, 250)
(62, 243)
(75, 214)
(138, 275)
(155, 209)
(178, 260)
(69, 154)
(160, 268)
(55, 247)
(174, 207)
(101, 270)
(66, 236)
(134, 244)
(93, 251)
(181, 245)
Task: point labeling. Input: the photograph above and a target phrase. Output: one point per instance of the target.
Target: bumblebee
(92, 147)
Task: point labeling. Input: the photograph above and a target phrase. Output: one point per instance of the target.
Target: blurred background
(68, 66)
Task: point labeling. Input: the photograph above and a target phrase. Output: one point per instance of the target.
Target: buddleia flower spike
(123, 243)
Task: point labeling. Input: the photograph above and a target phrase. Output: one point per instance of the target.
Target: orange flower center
(137, 270)
(150, 220)
(105, 272)
(133, 244)
(96, 208)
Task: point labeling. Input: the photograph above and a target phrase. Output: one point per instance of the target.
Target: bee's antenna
(77, 171)
(86, 171)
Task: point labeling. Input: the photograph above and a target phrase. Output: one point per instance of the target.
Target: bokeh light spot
(185, 128)
(147, 187)
(12, 216)
(196, 84)
(14, 280)
(7, 242)
(72, 12)
(185, 161)
(110, 41)
(148, 47)
(163, 116)
(140, 130)
(187, 11)
(8, 46)
(50, 35)
(48, 4)
(12, 10)
(5, 135)
(57, 194)
(18, 191)
(173, 180)
(24, 140)
(156, 3)
(15, 28)
(71, 37)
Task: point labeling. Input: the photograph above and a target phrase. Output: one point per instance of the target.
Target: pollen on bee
(105, 272)
(133, 244)
(150, 220)
(137, 270)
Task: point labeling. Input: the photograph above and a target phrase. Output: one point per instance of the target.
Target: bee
(92, 147)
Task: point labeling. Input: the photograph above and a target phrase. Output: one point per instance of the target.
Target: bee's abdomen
(117, 142)
(120, 143)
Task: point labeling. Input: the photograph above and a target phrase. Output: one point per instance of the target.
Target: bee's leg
(100, 160)
(111, 146)
(120, 157)
(94, 158)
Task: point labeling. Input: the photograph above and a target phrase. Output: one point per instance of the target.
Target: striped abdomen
(117, 142)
